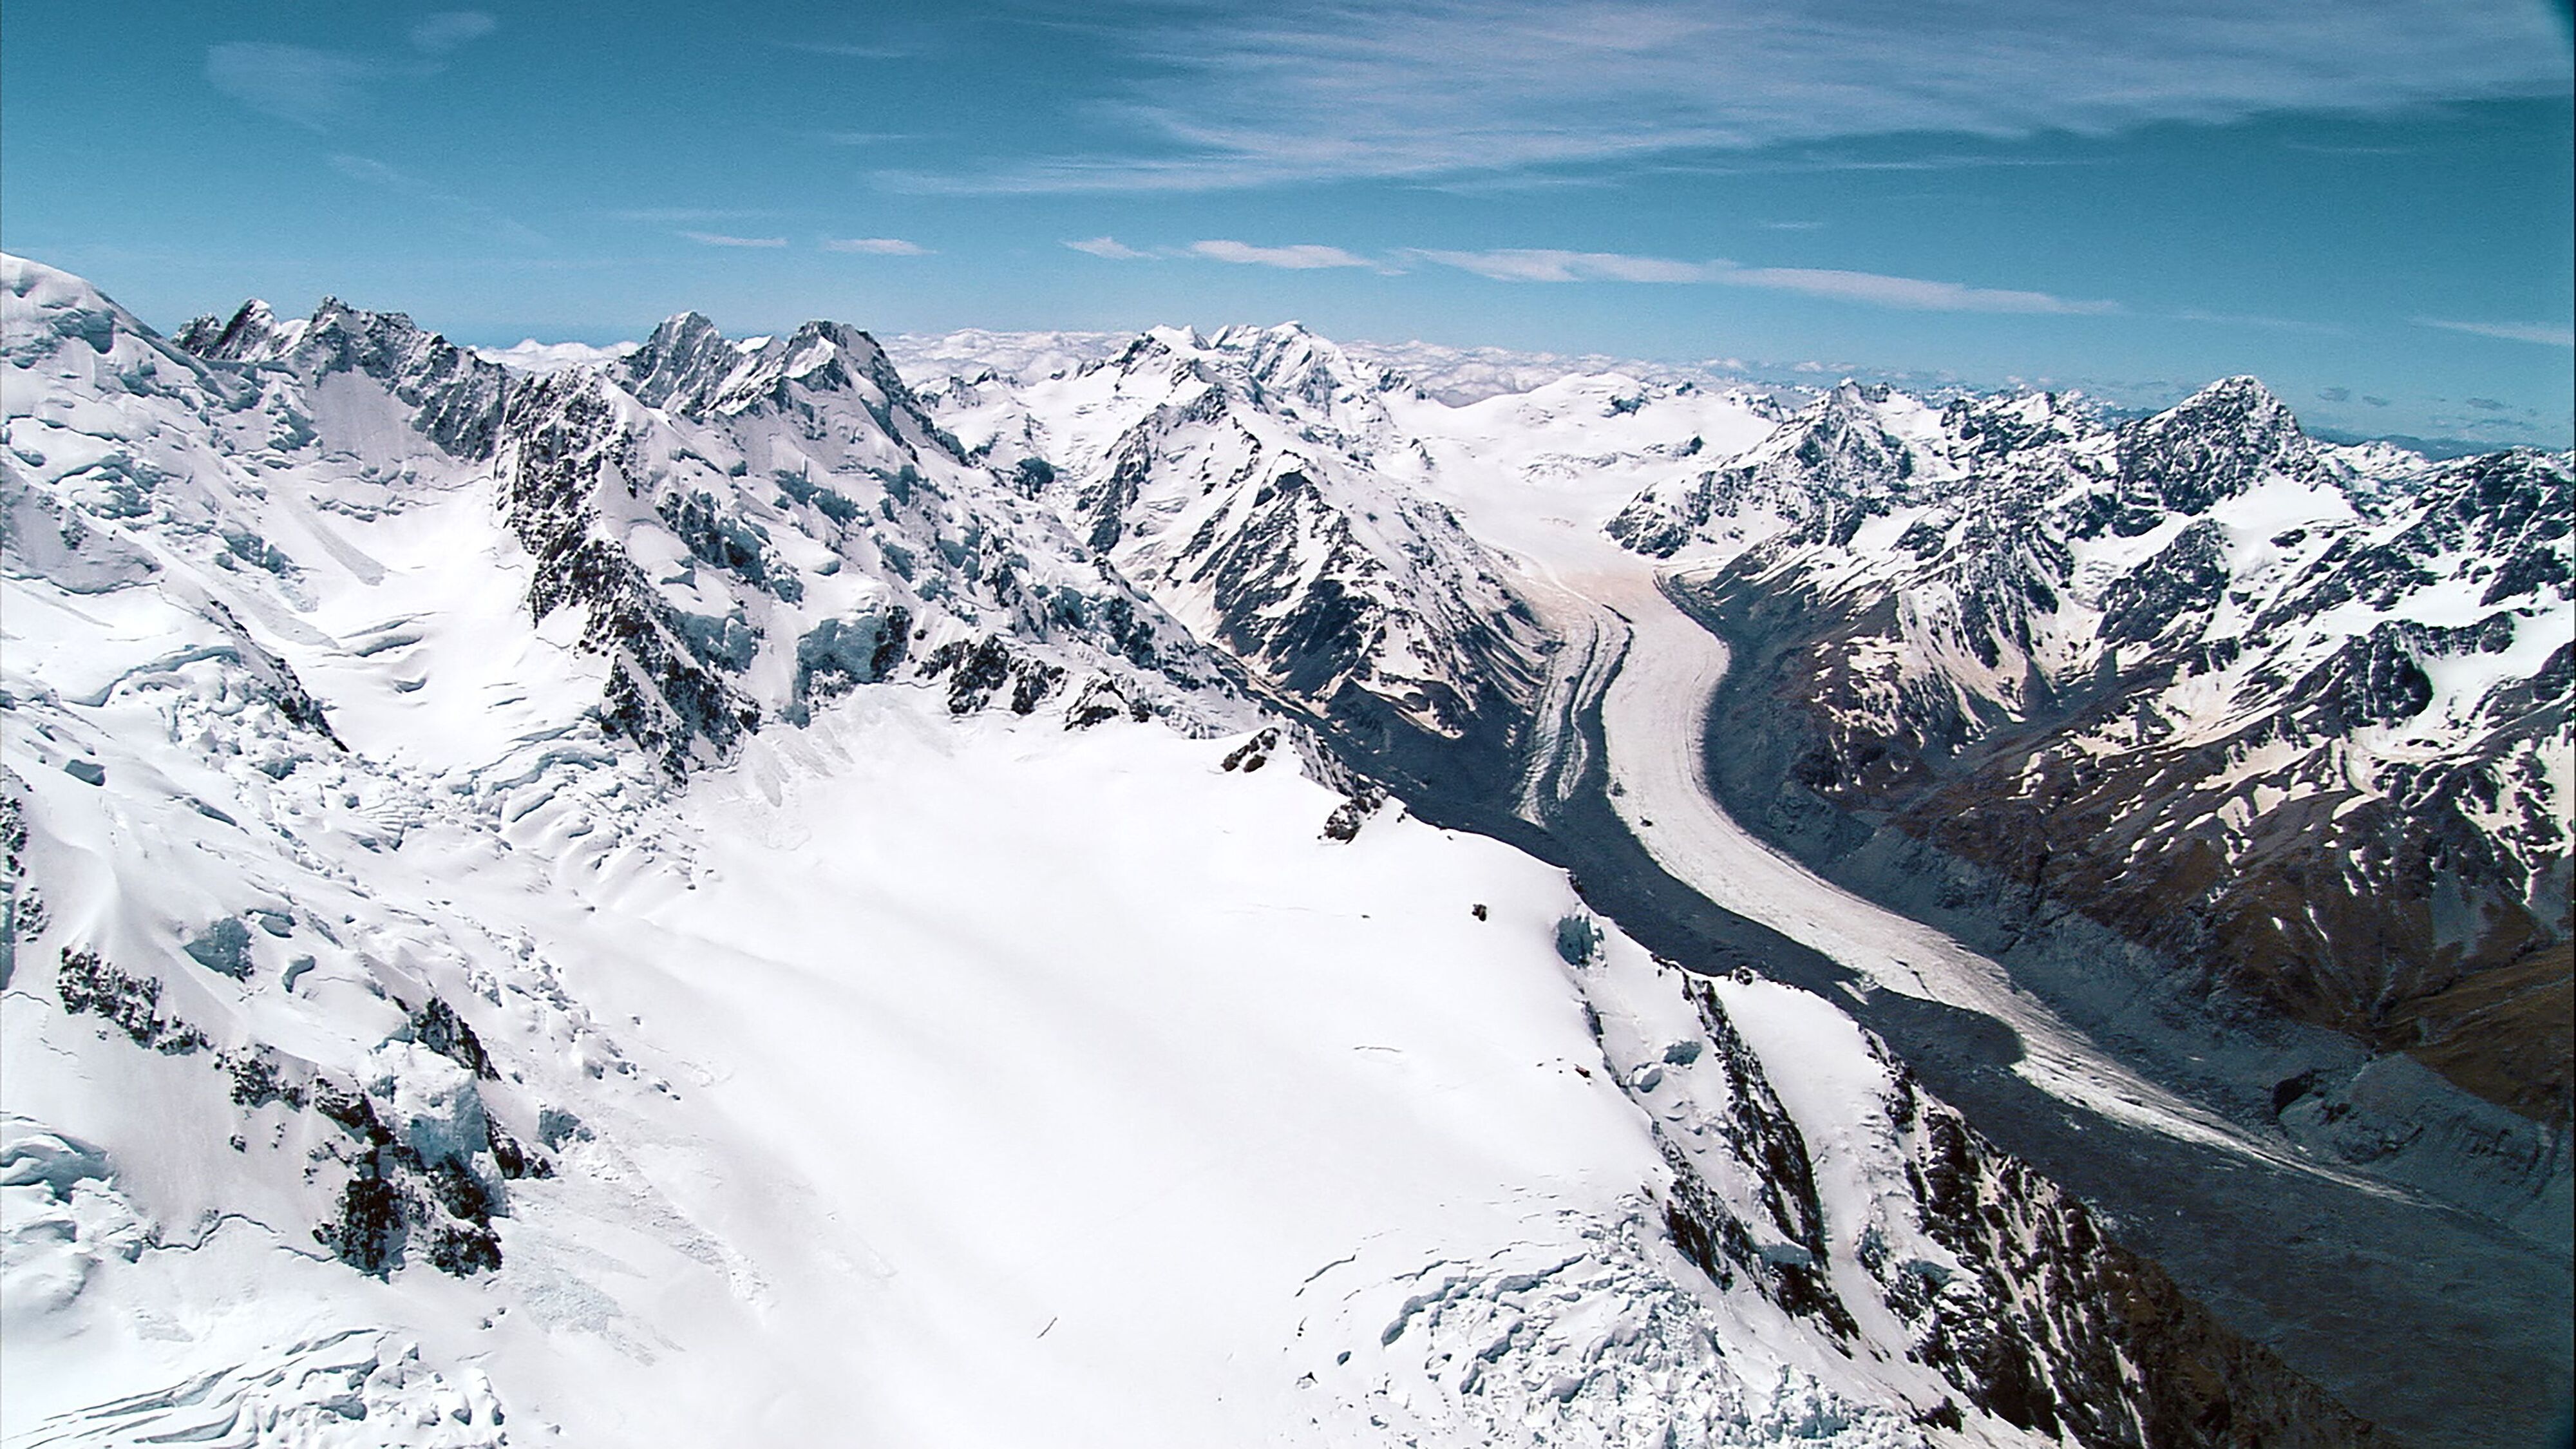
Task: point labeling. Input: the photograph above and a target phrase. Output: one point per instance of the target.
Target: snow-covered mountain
(2174, 674)
(2295, 716)
(1932, 579)
(1253, 483)
(663, 895)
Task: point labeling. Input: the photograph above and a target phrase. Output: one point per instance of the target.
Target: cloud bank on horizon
(2367, 202)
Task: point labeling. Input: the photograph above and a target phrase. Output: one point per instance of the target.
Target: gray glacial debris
(2404, 1122)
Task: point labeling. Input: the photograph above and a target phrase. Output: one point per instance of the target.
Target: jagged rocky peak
(1846, 443)
(249, 334)
(690, 367)
(2521, 495)
(1826, 469)
(827, 354)
(685, 355)
(1255, 483)
(768, 527)
(1290, 361)
(456, 395)
(2122, 654)
(1999, 424)
(336, 335)
(2215, 444)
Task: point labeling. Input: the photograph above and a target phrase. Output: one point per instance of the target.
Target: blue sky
(2366, 202)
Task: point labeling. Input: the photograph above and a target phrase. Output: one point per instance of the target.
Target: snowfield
(937, 1083)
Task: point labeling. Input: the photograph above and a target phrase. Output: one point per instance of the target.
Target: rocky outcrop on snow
(718, 602)
(1253, 483)
(1812, 1166)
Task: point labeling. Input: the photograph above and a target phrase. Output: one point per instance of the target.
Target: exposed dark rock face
(1238, 490)
(1760, 1131)
(2224, 439)
(459, 397)
(132, 1004)
(2037, 1318)
(408, 1190)
(436, 1026)
(1827, 470)
(2231, 749)
(2117, 1354)
(565, 444)
(979, 671)
(398, 1202)
(853, 470)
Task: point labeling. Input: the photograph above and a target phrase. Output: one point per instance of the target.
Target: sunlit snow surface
(940, 1083)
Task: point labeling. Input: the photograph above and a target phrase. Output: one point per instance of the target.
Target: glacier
(654, 895)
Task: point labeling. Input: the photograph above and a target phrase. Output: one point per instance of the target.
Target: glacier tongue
(2173, 717)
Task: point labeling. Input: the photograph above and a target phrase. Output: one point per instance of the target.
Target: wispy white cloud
(1347, 88)
(677, 215)
(462, 212)
(878, 246)
(1111, 248)
(719, 239)
(320, 89)
(853, 50)
(1304, 257)
(2257, 319)
(311, 88)
(1911, 293)
(438, 34)
(1530, 265)
(2547, 334)
(367, 168)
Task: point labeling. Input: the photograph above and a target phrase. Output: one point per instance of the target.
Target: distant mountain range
(574, 890)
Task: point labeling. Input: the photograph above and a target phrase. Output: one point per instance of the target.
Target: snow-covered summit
(531, 355)
(1255, 483)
